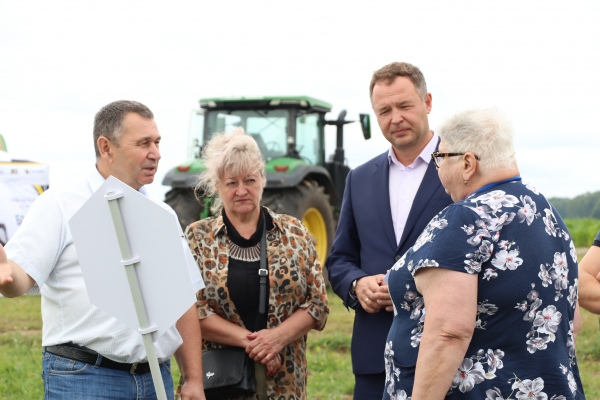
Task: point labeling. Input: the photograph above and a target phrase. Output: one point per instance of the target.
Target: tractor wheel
(185, 204)
(309, 203)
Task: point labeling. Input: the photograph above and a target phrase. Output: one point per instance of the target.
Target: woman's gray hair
(235, 153)
(485, 132)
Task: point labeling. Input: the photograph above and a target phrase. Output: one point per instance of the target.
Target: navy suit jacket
(365, 244)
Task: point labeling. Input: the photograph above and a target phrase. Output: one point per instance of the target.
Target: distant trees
(584, 206)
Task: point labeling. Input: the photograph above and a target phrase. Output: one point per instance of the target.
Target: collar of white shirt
(95, 180)
(425, 155)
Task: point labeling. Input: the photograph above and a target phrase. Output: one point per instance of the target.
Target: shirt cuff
(352, 300)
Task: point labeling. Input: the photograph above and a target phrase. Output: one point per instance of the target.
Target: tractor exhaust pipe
(339, 155)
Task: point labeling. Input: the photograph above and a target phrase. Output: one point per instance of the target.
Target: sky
(537, 61)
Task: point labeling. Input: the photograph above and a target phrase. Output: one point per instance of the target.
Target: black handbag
(228, 371)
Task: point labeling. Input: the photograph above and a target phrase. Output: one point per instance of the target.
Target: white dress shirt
(43, 247)
(404, 184)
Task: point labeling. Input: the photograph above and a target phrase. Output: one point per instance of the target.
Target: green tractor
(290, 133)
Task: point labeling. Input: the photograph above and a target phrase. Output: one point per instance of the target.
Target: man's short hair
(109, 120)
(390, 72)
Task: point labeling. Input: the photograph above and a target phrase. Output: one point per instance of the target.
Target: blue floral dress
(522, 346)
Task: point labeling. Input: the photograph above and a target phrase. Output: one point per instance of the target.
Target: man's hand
(264, 346)
(13, 280)
(189, 355)
(368, 292)
(6, 271)
(383, 297)
(192, 390)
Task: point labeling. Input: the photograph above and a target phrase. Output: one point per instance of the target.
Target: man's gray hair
(390, 72)
(236, 153)
(486, 132)
(109, 120)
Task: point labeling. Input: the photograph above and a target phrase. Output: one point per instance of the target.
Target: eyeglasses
(437, 157)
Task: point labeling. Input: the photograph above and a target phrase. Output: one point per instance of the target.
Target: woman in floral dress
(485, 302)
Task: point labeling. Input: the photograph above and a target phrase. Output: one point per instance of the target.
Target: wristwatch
(353, 288)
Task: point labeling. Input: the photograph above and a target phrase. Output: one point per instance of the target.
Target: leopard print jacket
(296, 281)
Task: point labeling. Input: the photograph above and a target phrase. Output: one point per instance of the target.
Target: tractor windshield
(268, 127)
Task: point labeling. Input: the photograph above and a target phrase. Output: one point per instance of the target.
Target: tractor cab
(283, 127)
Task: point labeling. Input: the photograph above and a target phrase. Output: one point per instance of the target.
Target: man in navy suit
(387, 202)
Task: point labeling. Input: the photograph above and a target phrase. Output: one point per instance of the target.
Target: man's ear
(105, 148)
(428, 102)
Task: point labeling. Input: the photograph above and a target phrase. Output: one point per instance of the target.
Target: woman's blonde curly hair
(234, 154)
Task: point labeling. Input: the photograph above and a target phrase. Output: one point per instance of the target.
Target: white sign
(15, 200)
(24, 172)
(166, 271)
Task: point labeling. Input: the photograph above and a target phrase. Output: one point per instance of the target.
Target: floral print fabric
(295, 279)
(522, 346)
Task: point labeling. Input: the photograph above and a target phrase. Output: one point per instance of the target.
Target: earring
(466, 183)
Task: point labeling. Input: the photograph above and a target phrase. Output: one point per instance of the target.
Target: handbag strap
(260, 370)
(263, 273)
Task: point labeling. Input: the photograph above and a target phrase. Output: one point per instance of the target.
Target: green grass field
(583, 231)
(330, 372)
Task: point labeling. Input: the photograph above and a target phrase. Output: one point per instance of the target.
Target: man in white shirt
(87, 353)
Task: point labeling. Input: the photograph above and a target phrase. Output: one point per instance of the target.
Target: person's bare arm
(219, 330)
(451, 303)
(589, 286)
(14, 281)
(189, 355)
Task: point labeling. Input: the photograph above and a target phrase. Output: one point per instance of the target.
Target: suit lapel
(429, 185)
(381, 197)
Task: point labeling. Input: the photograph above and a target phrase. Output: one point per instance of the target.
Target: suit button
(397, 258)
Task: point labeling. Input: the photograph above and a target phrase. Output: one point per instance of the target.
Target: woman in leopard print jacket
(227, 250)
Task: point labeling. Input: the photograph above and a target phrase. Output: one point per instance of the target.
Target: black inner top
(242, 278)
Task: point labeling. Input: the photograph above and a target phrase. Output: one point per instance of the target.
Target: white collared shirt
(43, 247)
(404, 182)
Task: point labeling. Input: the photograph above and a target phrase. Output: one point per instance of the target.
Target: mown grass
(329, 367)
(583, 231)
(20, 348)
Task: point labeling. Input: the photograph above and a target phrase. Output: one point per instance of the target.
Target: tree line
(583, 206)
